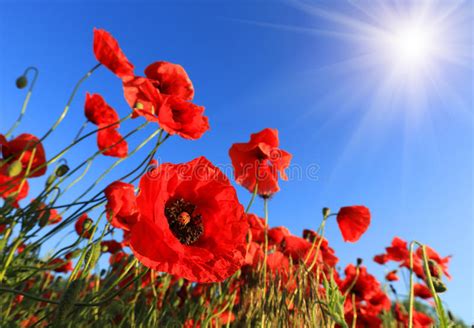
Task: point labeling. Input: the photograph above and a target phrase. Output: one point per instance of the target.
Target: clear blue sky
(411, 164)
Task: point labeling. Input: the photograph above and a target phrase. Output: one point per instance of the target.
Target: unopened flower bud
(62, 170)
(44, 218)
(21, 82)
(438, 285)
(326, 211)
(359, 261)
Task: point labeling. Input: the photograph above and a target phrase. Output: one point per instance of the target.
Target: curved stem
(71, 98)
(265, 255)
(26, 101)
(411, 297)
(253, 198)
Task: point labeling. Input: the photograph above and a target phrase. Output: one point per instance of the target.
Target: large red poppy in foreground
(191, 223)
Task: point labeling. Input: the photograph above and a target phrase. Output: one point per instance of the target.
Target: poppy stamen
(184, 226)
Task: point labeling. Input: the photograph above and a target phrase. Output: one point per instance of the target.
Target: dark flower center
(184, 226)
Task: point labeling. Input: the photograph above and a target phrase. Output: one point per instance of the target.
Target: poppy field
(171, 244)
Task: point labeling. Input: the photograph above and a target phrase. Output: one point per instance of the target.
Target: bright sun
(413, 45)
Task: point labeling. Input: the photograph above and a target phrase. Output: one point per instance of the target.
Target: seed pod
(15, 169)
(21, 82)
(62, 170)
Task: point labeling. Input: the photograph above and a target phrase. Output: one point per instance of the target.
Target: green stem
(71, 98)
(265, 211)
(10, 257)
(411, 297)
(26, 101)
(443, 322)
(252, 199)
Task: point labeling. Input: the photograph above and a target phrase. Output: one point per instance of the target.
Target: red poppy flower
(363, 285)
(257, 227)
(259, 161)
(191, 223)
(398, 251)
(117, 258)
(420, 320)
(422, 291)
(296, 248)
(108, 53)
(328, 254)
(60, 265)
(111, 143)
(353, 221)
(98, 111)
(170, 79)
(276, 234)
(254, 254)
(433, 255)
(27, 149)
(278, 263)
(121, 205)
(15, 188)
(392, 276)
(54, 216)
(83, 226)
(381, 258)
(143, 97)
(163, 98)
(111, 246)
(177, 116)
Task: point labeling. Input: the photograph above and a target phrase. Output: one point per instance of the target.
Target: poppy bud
(21, 82)
(438, 285)
(359, 261)
(62, 170)
(45, 215)
(15, 169)
(326, 211)
(434, 268)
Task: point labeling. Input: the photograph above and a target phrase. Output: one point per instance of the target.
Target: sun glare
(413, 46)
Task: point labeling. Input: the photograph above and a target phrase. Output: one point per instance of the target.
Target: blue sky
(274, 64)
